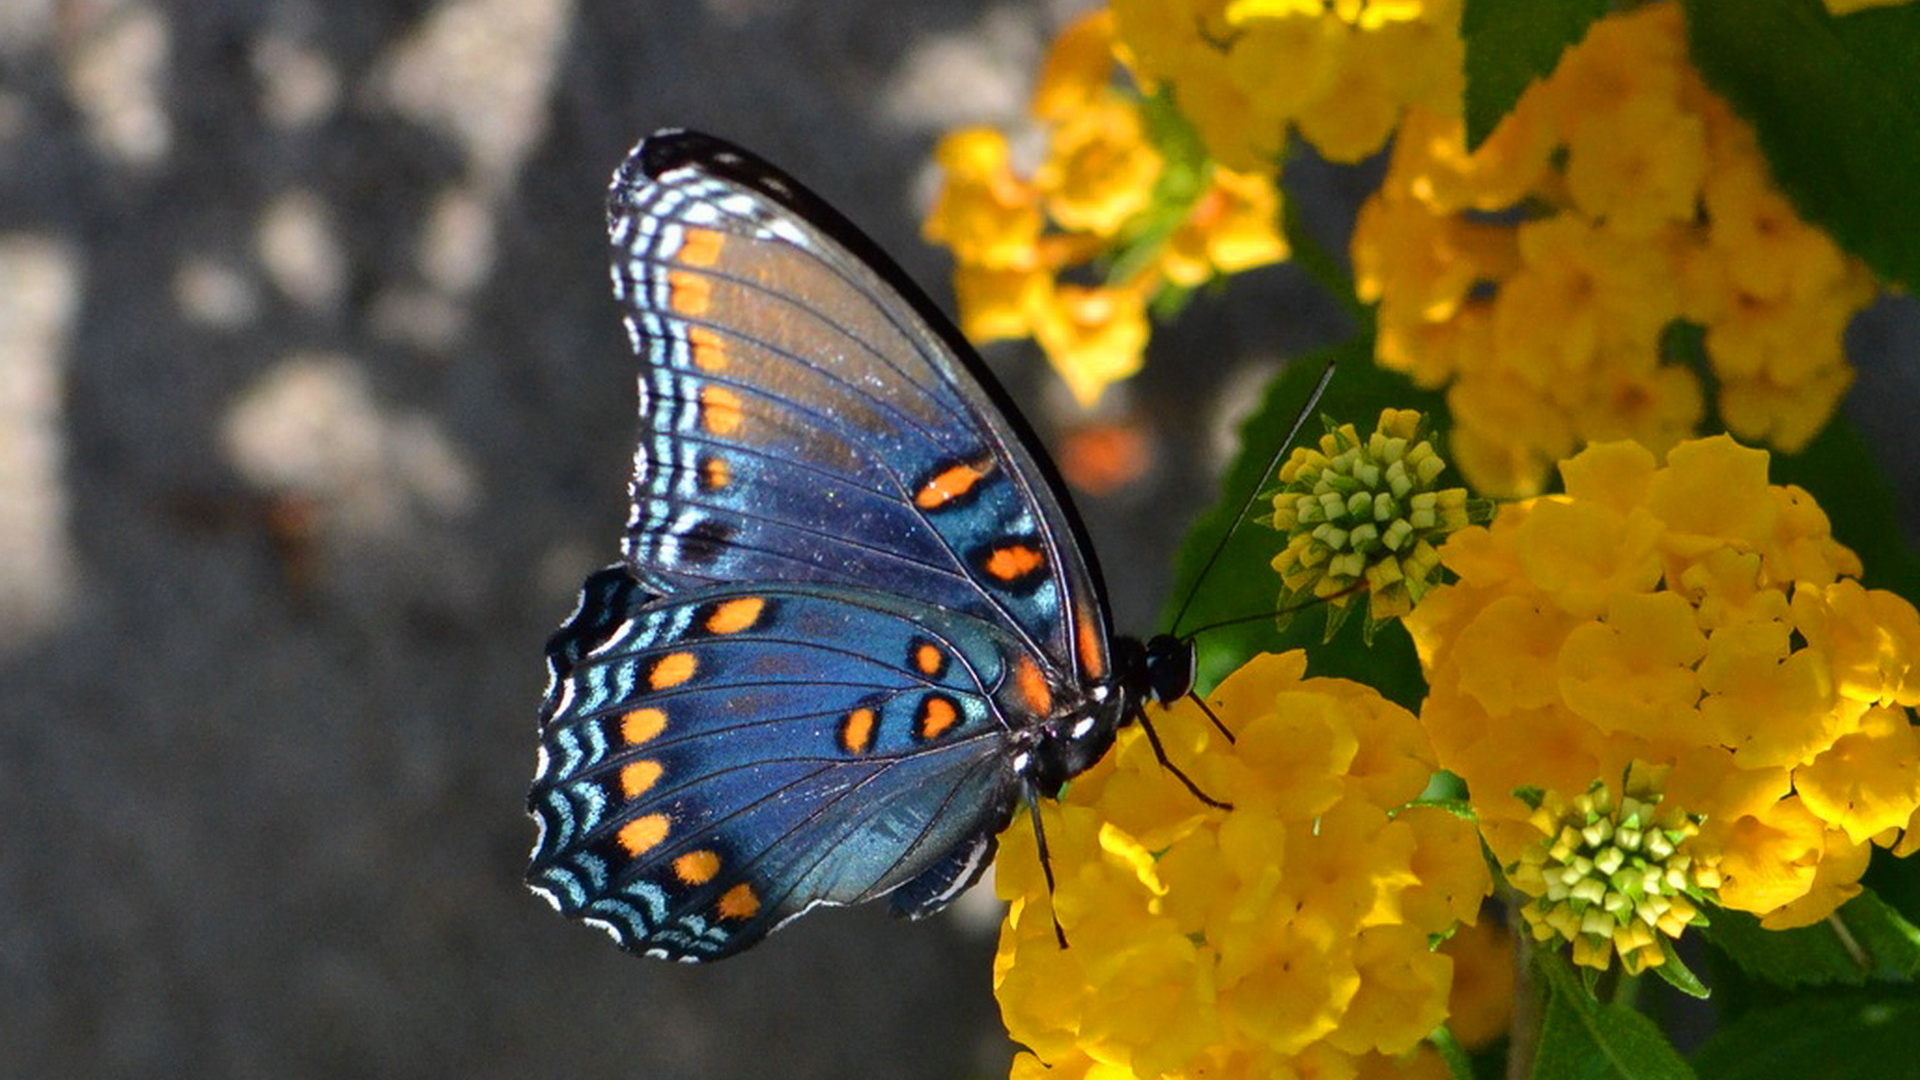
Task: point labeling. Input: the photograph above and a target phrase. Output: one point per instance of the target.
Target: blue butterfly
(856, 622)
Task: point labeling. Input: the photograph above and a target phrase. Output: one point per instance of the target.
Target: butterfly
(856, 622)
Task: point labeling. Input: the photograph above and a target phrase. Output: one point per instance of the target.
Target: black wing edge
(608, 598)
(673, 148)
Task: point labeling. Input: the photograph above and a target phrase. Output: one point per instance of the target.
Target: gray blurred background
(314, 410)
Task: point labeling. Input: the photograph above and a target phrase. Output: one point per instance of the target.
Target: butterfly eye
(1170, 664)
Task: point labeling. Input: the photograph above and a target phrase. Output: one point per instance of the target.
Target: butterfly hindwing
(809, 416)
(718, 761)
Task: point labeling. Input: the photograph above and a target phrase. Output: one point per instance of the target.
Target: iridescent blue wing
(716, 762)
(808, 415)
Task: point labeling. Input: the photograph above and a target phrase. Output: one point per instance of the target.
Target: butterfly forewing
(803, 418)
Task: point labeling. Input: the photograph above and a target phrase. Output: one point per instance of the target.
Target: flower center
(1611, 875)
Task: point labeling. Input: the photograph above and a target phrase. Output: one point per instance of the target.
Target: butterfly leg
(1046, 865)
(1208, 709)
(1160, 753)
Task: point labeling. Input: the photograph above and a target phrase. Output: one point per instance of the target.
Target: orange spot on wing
(709, 348)
(642, 834)
(688, 293)
(701, 247)
(715, 473)
(637, 776)
(639, 725)
(1031, 682)
(739, 902)
(856, 731)
(951, 483)
(929, 659)
(1014, 561)
(696, 867)
(733, 616)
(720, 410)
(937, 717)
(671, 670)
(1092, 645)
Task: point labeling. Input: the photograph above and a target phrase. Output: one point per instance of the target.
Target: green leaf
(1242, 585)
(1511, 43)
(1844, 1035)
(1459, 1066)
(1805, 956)
(1865, 939)
(1836, 103)
(1883, 934)
(1584, 1039)
(1897, 882)
(1677, 974)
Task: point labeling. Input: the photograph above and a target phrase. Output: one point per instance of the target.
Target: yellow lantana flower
(1096, 335)
(1291, 934)
(985, 213)
(1635, 200)
(1246, 72)
(1098, 192)
(1693, 621)
(1233, 226)
(1100, 169)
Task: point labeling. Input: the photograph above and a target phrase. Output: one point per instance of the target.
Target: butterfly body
(856, 621)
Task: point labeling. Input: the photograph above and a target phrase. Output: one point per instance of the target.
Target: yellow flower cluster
(1364, 514)
(1341, 72)
(1689, 618)
(1538, 276)
(1289, 936)
(1104, 185)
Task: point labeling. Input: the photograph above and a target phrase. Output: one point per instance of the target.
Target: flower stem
(1523, 1032)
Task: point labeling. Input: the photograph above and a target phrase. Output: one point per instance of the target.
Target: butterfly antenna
(1358, 586)
(1046, 866)
(1299, 421)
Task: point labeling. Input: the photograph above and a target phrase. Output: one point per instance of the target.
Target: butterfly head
(1159, 670)
(1166, 668)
